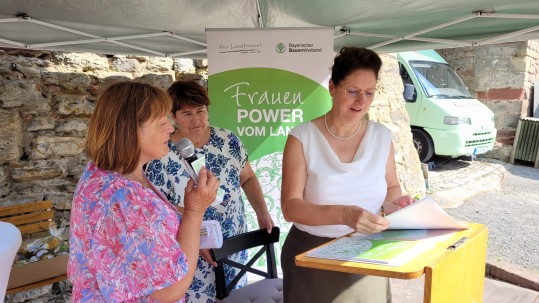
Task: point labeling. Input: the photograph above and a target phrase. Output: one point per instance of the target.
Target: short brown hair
(350, 59)
(112, 142)
(186, 93)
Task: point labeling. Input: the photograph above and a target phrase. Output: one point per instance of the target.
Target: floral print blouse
(123, 241)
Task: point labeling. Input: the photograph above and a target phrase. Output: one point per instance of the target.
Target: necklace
(337, 137)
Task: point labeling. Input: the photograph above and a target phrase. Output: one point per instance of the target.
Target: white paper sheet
(211, 235)
(423, 214)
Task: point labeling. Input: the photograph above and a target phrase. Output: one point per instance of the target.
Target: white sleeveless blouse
(331, 182)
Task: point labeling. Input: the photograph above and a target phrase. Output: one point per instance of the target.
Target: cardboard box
(37, 271)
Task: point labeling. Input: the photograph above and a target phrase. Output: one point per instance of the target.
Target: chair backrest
(242, 242)
(30, 217)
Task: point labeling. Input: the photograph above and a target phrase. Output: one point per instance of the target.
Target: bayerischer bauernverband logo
(280, 48)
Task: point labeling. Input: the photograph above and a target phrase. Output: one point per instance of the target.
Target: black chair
(268, 289)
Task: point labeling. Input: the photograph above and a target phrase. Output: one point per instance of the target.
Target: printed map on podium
(376, 250)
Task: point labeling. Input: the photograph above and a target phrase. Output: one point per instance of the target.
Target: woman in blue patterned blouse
(227, 158)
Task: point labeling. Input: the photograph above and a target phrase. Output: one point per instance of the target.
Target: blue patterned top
(225, 157)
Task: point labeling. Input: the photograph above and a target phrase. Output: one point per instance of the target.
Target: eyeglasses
(354, 94)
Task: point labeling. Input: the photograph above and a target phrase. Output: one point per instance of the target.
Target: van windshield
(439, 80)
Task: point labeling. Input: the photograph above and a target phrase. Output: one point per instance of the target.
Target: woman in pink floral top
(126, 243)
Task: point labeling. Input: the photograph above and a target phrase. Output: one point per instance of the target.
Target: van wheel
(423, 145)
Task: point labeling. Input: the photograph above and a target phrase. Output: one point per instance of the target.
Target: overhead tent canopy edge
(172, 28)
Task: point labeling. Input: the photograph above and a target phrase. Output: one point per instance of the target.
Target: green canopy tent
(176, 28)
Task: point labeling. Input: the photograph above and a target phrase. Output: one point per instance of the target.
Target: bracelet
(382, 212)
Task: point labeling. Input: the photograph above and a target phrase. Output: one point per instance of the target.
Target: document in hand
(376, 249)
(423, 214)
(211, 235)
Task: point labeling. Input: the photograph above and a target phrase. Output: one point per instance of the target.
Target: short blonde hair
(112, 142)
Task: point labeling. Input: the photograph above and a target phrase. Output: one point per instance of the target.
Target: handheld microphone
(186, 149)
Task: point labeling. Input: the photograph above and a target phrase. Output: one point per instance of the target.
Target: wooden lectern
(454, 268)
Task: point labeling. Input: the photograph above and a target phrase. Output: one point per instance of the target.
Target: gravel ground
(511, 214)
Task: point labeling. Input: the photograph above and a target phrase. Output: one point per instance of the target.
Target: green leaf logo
(280, 48)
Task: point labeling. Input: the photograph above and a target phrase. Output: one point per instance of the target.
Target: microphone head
(185, 148)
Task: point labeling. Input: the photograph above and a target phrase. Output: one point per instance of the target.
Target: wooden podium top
(411, 270)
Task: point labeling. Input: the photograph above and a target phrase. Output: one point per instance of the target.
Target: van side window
(409, 92)
(404, 75)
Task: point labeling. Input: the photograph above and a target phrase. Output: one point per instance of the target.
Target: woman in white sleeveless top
(338, 172)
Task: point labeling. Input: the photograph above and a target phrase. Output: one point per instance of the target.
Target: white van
(445, 119)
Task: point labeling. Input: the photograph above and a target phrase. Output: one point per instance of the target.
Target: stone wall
(46, 99)
(501, 76)
(389, 109)
(533, 73)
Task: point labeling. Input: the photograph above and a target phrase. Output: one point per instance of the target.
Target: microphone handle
(191, 159)
(190, 169)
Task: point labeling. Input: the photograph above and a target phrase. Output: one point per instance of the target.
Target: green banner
(262, 83)
(262, 105)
